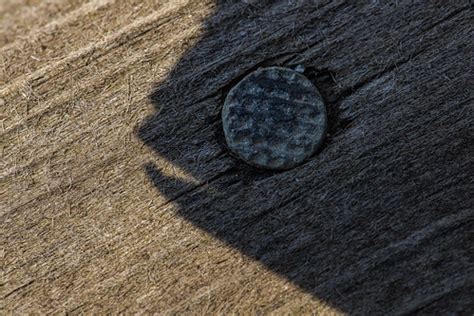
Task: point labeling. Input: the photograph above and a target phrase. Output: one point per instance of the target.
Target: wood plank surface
(117, 193)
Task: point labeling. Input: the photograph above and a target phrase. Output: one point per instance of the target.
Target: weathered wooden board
(118, 194)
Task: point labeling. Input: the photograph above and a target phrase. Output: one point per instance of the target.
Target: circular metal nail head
(275, 118)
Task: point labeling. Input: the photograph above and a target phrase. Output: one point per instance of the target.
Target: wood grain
(119, 195)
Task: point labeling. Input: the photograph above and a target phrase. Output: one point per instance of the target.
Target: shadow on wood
(377, 220)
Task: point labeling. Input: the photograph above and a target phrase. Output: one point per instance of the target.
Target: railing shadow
(284, 220)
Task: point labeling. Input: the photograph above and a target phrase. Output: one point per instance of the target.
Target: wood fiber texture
(117, 193)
